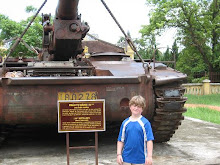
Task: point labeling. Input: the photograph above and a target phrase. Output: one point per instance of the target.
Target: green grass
(213, 99)
(205, 114)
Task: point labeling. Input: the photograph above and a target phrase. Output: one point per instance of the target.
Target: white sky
(131, 14)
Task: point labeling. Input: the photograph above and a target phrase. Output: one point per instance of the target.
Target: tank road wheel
(169, 111)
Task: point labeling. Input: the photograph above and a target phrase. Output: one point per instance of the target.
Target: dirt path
(217, 108)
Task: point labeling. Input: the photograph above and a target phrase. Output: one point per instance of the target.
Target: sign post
(81, 116)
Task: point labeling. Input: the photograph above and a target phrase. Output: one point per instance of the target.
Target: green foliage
(205, 114)
(147, 47)
(168, 56)
(189, 62)
(33, 37)
(212, 99)
(143, 48)
(198, 28)
(31, 9)
(9, 28)
(175, 50)
(199, 80)
(2, 53)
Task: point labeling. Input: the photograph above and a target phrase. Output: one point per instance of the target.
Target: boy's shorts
(124, 163)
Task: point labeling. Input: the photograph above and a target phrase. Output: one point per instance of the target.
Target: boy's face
(136, 110)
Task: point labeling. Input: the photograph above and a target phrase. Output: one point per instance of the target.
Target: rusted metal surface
(120, 68)
(69, 80)
(167, 75)
(67, 32)
(33, 100)
(1, 104)
(67, 9)
(108, 56)
(169, 110)
(38, 103)
(20, 60)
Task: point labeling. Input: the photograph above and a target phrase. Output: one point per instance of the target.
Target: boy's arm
(149, 160)
(120, 146)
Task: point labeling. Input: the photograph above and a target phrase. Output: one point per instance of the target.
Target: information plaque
(81, 115)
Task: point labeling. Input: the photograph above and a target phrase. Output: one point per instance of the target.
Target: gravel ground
(195, 142)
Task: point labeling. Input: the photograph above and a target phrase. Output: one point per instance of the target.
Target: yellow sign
(77, 95)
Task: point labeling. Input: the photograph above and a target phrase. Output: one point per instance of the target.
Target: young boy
(135, 140)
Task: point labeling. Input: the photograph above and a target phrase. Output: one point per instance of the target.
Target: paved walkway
(217, 108)
(195, 143)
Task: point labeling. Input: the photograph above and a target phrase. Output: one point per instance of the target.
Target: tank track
(5, 131)
(2, 138)
(169, 111)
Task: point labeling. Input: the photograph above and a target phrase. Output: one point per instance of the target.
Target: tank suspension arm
(128, 39)
(18, 40)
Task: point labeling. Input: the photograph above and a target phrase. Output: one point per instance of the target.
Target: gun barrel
(67, 9)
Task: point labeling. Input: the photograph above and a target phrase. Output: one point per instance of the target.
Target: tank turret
(64, 37)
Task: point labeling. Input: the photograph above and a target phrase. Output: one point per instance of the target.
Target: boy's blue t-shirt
(134, 135)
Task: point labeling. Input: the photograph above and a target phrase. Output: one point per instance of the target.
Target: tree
(121, 42)
(175, 50)
(171, 54)
(10, 29)
(168, 56)
(144, 48)
(198, 24)
(190, 62)
(147, 47)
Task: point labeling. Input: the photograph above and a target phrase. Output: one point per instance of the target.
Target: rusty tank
(30, 89)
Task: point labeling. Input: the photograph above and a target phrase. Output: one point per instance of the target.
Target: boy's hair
(138, 101)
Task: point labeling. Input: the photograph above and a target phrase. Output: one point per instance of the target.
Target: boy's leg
(124, 163)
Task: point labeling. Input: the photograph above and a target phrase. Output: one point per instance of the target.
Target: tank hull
(34, 100)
